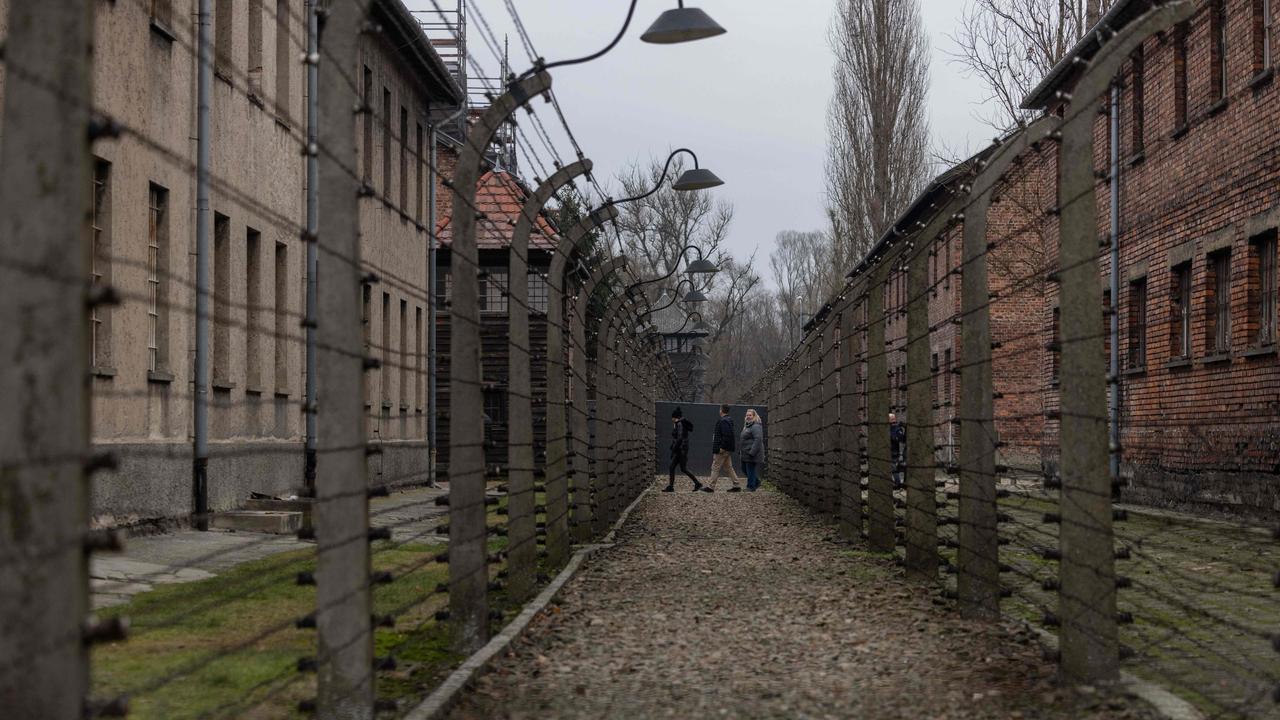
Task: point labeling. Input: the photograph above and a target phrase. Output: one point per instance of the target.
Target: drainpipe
(1114, 379)
(313, 193)
(204, 74)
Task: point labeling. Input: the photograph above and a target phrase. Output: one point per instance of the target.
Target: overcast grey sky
(751, 103)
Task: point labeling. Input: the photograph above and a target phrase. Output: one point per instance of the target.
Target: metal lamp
(681, 24)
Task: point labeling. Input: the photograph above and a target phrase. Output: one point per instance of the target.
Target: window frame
(1263, 290)
(1136, 352)
(1218, 303)
(1180, 312)
(157, 279)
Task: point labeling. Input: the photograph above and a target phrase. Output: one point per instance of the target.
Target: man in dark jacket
(680, 429)
(897, 448)
(722, 446)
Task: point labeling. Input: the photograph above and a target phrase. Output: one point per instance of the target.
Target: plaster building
(142, 243)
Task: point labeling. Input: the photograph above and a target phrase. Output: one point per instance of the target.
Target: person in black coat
(722, 447)
(680, 430)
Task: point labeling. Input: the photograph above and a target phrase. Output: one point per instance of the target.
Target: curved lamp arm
(687, 319)
(658, 186)
(674, 298)
(674, 268)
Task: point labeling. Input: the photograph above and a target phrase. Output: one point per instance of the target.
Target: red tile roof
(500, 197)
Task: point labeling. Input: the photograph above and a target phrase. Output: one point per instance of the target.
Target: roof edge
(418, 48)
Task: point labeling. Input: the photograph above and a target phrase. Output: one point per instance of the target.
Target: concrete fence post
(468, 531)
(45, 183)
(921, 475)
(561, 474)
(880, 480)
(922, 506)
(977, 559)
(847, 474)
(591, 517)
(343, 598)
(522, 554)
(831, 437)
(1087, 591)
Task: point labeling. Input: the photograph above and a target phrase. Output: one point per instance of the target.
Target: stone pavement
(191, 555)
(742, 606)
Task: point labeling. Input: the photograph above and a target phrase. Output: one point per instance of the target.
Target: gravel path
(739, 605)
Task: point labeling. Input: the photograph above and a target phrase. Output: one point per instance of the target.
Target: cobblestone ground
(741, 606)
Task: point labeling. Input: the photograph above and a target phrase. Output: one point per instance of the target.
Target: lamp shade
(696, 179)
(702, 266)
(681, 25)
(695, 296)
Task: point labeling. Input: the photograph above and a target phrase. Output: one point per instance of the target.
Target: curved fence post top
(1009, 150)
(544, 192)
(517, 94)
(569, 240)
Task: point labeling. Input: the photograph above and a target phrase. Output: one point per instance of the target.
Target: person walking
(722, 446)
(752, 452)
(680, 430)
(897, 448)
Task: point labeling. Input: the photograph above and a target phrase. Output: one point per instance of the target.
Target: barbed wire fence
(371, 586)
(1115, 591)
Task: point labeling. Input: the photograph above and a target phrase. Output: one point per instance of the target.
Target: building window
(223, 28)
(1262, 288)
(1180, 317)
(1180, 76)
(221, 300)
(934, 385)
(417, 358)
(444, 287)
(1055, 346)
(946, 377)
(1138, 324)
(1268, 26)
(386, 347)
(284, 58)
(1218, 304)
(100, 263)
(1137, 99)
(1261, 33)
(495, 407)
(368, 140)
(404, 354)
(1107, 309)
(255, 48)
(366, 319)
(417, 162)
(253, 309)
(157, 279)
(1218, 53)
(161, 12)
(281, 306)
(386, 144)
(404, 159)
(493, 291)
(539, 292)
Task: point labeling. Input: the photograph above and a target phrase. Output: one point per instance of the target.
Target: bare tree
(878, 150)
(802, 272)
(655, 230)
(1012, 44)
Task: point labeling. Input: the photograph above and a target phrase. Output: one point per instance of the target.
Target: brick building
(1199, 199)
(142, 240)
(1199, 206)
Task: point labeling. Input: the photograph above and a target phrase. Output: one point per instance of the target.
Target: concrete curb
(1164, 702)
(444, 696)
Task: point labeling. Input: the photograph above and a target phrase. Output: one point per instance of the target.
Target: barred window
(539, 292)
(493, 291)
